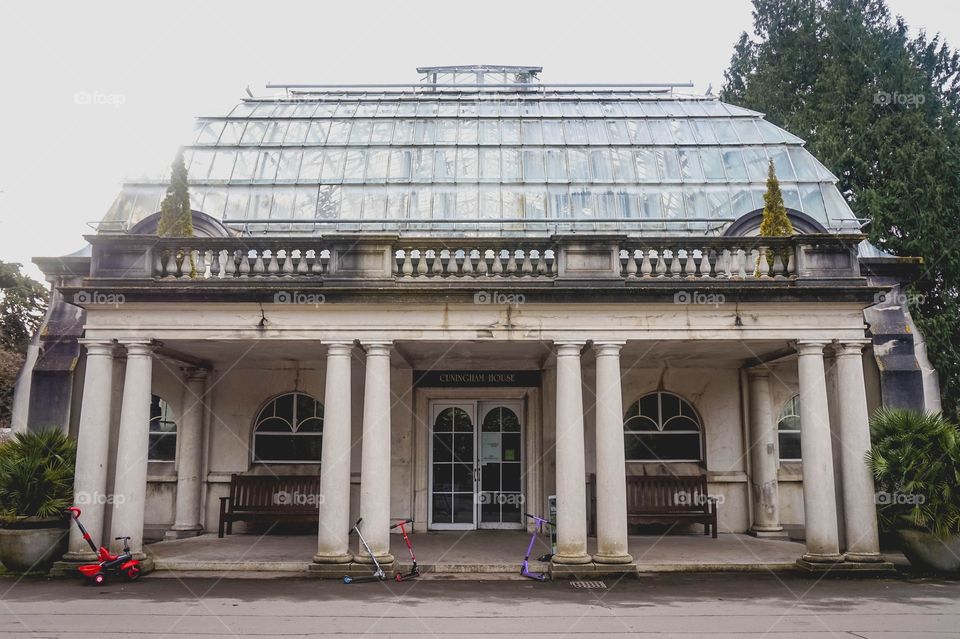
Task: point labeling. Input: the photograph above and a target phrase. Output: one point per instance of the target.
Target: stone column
(763, 457)
(612, 545)
(90, 478)
(819, 496)
(130, 482)
(571, 471)
(375, 456)
(859, 493)
(333, 544)
(190, 457)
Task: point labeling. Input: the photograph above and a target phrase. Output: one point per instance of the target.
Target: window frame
(260, 418)
(660, 423)
(794, 404)
(165, 416)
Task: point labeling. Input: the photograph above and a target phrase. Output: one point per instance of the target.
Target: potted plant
(915, 460)
(36, 486)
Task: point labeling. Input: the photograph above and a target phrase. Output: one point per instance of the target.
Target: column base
(848, 568)
(591, 570)
(382, 559)
(863, 557)
(182, 532)
(351, 568)
(573, 560)
(83, 557)
(603, 558)
(818, 558)
(768, 533)
(342, 558)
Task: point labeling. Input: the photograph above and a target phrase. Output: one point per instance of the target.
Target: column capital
(195, 373)
(810, 347)
(569, 348)
(758, 372)
(138, 348)
(97, 347)
(377, 348)
(850, 347)
(339, 348)
(607, 348)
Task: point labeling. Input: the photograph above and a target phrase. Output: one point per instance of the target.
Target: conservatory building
(456, 300)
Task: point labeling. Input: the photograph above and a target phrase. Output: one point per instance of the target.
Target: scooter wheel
(398, 577)
(347, 579)
(98, 579)
(133, 573)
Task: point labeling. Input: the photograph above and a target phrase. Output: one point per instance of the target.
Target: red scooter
(108, 563)
(414, 570)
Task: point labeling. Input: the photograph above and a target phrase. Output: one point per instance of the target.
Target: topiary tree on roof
(176, 218)
(775, 221)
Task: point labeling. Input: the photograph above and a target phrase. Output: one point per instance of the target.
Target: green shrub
(915, 460)
(36, 475)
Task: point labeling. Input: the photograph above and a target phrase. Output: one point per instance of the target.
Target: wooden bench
(288, 498)
(667, 499)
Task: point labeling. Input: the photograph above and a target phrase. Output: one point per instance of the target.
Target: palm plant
(915, 460)
(36, 475)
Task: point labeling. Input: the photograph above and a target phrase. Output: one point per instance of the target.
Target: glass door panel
(500, 457)
(452, 466)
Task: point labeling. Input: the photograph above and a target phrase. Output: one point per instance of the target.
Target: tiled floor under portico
(473, 552)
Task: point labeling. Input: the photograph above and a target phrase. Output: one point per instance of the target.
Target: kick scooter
(378, 574)
(539, 522)
(107, 562)
(415, 570)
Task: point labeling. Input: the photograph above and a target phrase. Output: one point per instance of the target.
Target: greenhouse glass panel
(591, 109)
(533, 169)
(558, 205)
(425, 132)
(601, 169)
(242, 110)
(296, 133)
(511, 201)
(489, 132)
(467, 164)
(575, 131)
(672, 203)
(489, 202)
(596, 132)
(639, 133)
(509, 109)
(444, 203)
(611, 109)
(317, 133)
(532, 132)
(535, 204)
(222, 165)
(581, 204)
(837, 208)
(374, 204)
(468, 204)
(208, 132)
(813, 201)
(448, 109)
(645, 161)
(712, 164)
(406, 109)
(570, 109)
(806, 171)
(550, 109)
(791, 197)
(617, 132)
(510, 164)
(682, 134)
(245, 166)
(530, 108)
(401, 162)
(579, 165)
(305, 203)
(672, 108)
(510, 131)
(261, 200)
(200, 165)
(351, 203)
(403, 132)
(267, 166)
(604, 203)
(339, 132)
(468, 110)
(650, 204)
(469, 131)
(693, 108)
(703, 132)
(668, 164)
(770, 133)
(232, 133)
(552, 132)
(444, 165)
(397, 204)
(718, 201)
(695, 203)
(360, 134)
(781, 163)
(741, 201)
(725, 133)
(446, 131)
(489, 108)
(328, 202)
(284, 111)
(622, 160)
(747, 131)
(757, 163)
(366, 110)
(325, 110)
(427, 109)
(382, 133)
(556, 165)
(733, 165)
(377, 161)
(289, 167)
(690, 169)
(387, 109)
(420, 203)
(660, 132)
(264, 110)
(423, 165)
(275, 133)
(346, 109)
(237, 203)
(282, 207)
(353, 166)
(310, 166)
(215, 202)
(490, 164)
(333, 161)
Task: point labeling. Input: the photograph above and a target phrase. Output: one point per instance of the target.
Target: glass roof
(415, 159)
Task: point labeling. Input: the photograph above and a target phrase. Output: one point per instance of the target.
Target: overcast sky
(151, 68)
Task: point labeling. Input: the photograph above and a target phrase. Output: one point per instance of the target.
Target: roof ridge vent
(479, 75)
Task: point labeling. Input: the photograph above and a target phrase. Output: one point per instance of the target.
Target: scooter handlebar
(74, 511)
(405, 521)
(540, 519)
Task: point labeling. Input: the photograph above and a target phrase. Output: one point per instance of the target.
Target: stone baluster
(302, 267)
(287, 268)
(674, 263)
(763, 266)
(497, 267)
(421, 262)
(482, 262)
(705, 262)
(317, 267)
(645, 267)
(690, 266)
(526, 267)
(407, 268)
(511, 262)
(258, 266)
(273, 266)
(661, 263)
(437, 267)
(631, 266)
(541, 262)
(467, 266)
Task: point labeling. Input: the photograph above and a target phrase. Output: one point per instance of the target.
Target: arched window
(788, 430)
(163, 431)
(289, 429)
(662, 427)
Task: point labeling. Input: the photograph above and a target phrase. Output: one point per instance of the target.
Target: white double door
(476, 464)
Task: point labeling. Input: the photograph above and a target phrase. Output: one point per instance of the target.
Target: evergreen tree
(775, 222)
(882, 111)
(176, 218)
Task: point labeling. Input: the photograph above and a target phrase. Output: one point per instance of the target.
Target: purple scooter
(539, 522)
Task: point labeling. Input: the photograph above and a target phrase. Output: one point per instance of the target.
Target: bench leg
(230, 527)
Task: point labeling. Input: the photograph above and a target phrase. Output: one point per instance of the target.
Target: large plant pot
(32, 546)
(929, 551)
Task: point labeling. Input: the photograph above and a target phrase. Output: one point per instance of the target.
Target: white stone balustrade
(527, 260)
(678, 258)
(248, 261)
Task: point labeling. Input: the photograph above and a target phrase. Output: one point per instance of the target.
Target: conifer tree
(176, 218)
(775, 222)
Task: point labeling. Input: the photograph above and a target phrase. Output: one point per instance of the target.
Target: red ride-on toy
(109, 564)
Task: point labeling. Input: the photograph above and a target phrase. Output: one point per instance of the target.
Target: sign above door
(474, 378)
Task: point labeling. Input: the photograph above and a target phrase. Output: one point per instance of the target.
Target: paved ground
(665, 605)
(487, 551)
